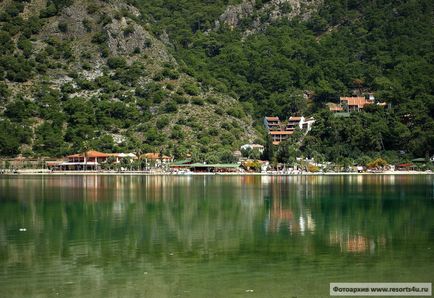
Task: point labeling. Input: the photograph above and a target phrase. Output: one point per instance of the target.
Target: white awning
(90, 163)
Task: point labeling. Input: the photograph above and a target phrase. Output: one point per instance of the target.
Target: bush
(219, 111)
(6, 44)
(177, 133)
(104, 51)
(128, 30)
(26, 46)
(49, 11)
(162, 122)
(377, 163)
(87, 24)
(170, 73)
(191, 89)
(213, 132)
(92, 8)
(63, 26)
(170, 107)
(4, 91)
(312, 168)
(236, 112)
(212, 100)
(100, 38)
(198, 101)
(227, 157)
(227, 139)
(180, 99)
(116, 62)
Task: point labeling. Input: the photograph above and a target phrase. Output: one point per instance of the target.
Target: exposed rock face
(258, 18)
(121, 41)
(235, 13)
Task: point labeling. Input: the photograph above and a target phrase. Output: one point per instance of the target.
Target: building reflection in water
(333, 209)
(287, 210)
(209, 214)
(356, 243)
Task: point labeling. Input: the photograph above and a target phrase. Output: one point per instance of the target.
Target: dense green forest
(382, 47)
(291, 66)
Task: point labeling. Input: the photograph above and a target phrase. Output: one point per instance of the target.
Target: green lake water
(205, 236)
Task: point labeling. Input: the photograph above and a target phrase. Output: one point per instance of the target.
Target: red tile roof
(92, 153)
(356, 101)
(294, 118)
(272, 118)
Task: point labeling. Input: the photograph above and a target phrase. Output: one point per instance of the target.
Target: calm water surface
(122, 236)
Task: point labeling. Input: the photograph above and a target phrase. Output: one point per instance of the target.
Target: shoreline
(137, 173)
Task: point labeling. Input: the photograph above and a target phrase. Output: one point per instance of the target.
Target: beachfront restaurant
(91, 160)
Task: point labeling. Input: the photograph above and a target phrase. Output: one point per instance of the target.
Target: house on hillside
(281, 131)
(280, 136)
(354, 103)
(302, 123)
(272, 123)
(252, 147)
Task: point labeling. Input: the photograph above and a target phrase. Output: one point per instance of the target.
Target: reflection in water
(196, 236)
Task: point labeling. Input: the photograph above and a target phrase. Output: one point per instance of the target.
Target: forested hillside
(229, 60)
(90, 75)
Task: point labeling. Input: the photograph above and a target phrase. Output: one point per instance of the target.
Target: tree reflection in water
(192, 236)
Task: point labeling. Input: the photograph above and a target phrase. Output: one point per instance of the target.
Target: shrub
(63, 26)
(86, 66)
(213, 132)
(177, 133)
(92, 8)
(26, 46)
(4, 91)
(377, 163)
(100, 38)
(116, 62)
(227, 157)
(162, 122)
(212, 100)
(170, 107)
(235, 112)
(158, 77)
(104, 19)
(147, 43)
(6, 44)
(49, 11)
(104, 51)
(170, 73)
(198, 101)
(87, 24)
(128, 30)
(219, 111)
(312, 168)
(191, 89)
(227, 139)
(180, 99)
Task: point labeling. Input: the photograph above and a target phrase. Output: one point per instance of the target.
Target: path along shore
(44, 172)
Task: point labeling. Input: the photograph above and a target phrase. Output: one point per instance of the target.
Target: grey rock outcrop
(257, 19)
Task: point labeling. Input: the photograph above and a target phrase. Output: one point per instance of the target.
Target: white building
(252, 147)
(302, 123)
